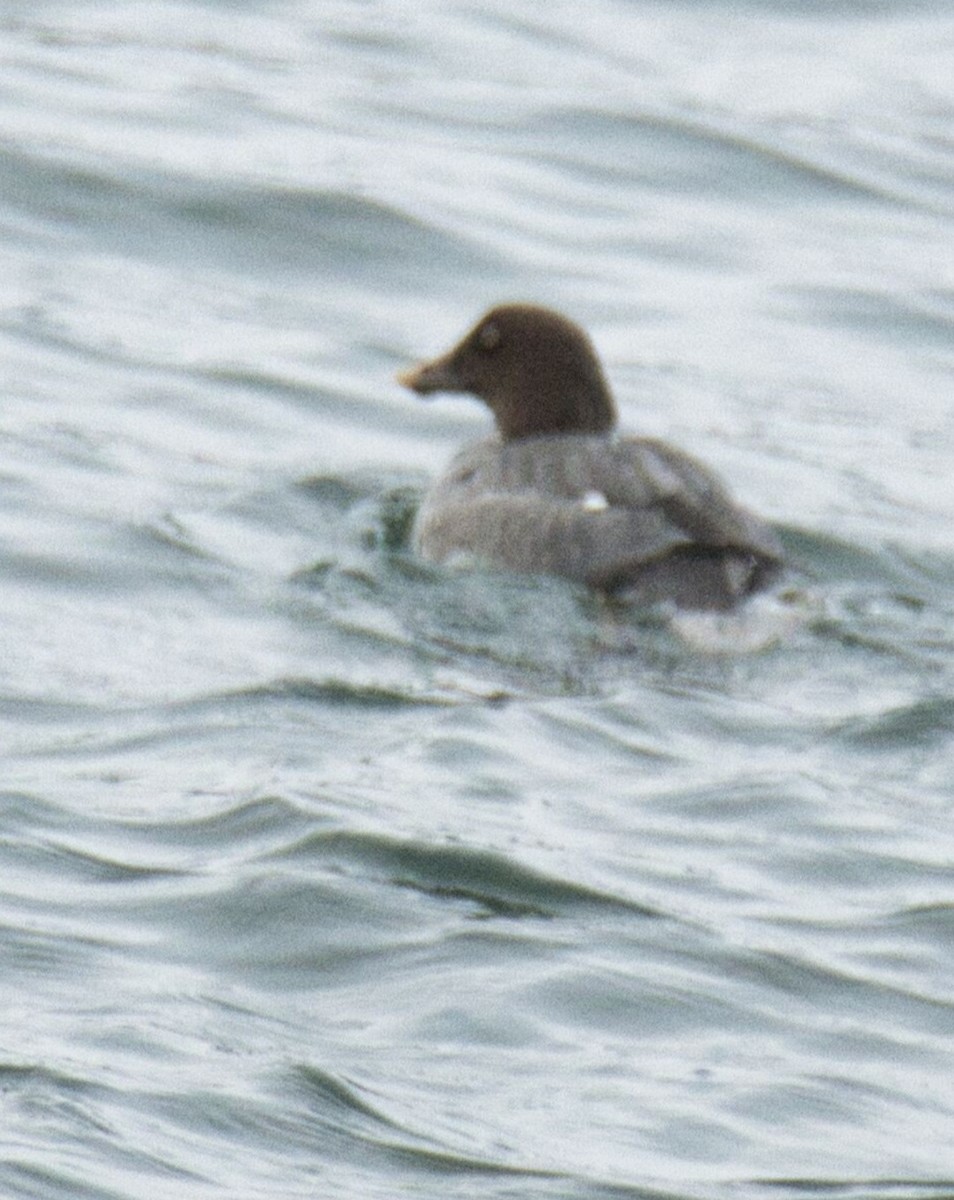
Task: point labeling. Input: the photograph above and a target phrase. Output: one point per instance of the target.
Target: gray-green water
(327, 874)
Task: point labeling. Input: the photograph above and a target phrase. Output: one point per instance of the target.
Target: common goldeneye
(557, 490)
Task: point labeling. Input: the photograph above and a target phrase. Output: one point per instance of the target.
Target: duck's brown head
(535, 370)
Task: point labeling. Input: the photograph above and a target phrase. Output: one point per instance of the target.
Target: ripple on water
(270, 229)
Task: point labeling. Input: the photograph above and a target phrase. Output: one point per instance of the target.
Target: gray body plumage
(622, 514)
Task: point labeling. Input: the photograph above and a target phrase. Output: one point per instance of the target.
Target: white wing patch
(594, 501)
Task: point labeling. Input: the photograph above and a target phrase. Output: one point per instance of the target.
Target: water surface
(327, 873)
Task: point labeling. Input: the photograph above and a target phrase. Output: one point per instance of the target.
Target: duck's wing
(692, 500)
(719, 553)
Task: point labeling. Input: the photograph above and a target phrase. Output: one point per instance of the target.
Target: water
(325, 873)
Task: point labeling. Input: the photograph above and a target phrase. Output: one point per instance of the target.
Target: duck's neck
(586, 410)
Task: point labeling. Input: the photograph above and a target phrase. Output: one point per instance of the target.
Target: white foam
(763, 622)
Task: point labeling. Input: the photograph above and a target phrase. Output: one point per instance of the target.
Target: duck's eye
(488, 336)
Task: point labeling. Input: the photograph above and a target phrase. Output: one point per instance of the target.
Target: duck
(557, 489)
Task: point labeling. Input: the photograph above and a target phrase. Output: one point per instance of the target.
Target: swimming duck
(557, 490)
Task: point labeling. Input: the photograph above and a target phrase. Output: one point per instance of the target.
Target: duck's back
(627, 515)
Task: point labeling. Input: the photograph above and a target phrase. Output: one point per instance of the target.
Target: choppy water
(328, 874)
